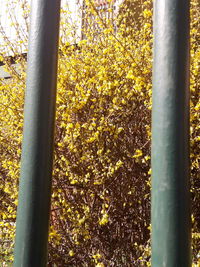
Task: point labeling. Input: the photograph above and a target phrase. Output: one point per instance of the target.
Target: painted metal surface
(170, 135)
(37, 149)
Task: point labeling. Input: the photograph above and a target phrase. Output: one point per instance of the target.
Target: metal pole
(170, 135)
(37, 149)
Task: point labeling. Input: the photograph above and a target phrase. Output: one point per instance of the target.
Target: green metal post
(170, 135)
(37, 149)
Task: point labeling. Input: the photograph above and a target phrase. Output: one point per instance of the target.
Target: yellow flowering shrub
(101, 177)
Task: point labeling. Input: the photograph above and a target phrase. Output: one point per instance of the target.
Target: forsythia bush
(101, 178)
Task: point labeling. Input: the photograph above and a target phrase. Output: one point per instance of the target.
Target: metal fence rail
(37, 149)
(170, 135)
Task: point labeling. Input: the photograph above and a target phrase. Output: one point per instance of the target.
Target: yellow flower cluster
(101, 176)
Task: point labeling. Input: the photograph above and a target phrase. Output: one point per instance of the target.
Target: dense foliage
(101, 178)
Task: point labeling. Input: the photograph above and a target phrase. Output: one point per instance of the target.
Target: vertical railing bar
(170, 135)
(37, 149)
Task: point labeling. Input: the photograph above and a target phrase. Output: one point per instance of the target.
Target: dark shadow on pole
(37, 149)
(170, 135)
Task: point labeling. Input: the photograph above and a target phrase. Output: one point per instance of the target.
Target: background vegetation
(101, 178)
